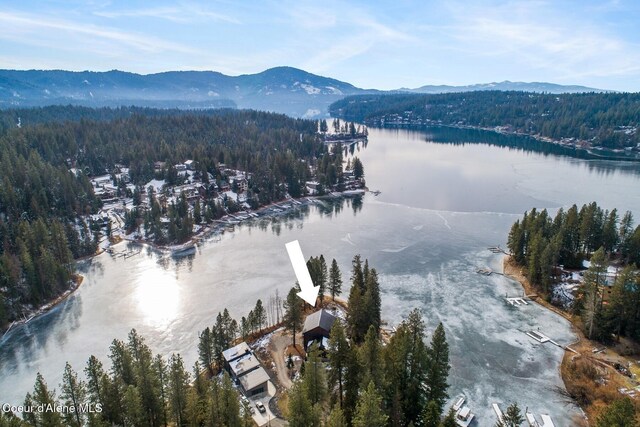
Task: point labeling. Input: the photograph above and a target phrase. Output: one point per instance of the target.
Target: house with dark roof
(317, 328)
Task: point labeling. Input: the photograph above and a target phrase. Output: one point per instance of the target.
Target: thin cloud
(353, 32)
(567, 49)
(183, 15)
(34, 25)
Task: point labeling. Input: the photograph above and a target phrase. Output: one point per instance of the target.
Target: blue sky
(371, 44)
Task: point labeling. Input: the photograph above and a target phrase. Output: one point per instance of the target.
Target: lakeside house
(245, 369)
(317, 328)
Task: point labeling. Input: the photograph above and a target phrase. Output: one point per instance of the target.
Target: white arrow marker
(308, 292)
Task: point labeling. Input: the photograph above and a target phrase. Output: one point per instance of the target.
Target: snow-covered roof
(236, 351)
(254, 378)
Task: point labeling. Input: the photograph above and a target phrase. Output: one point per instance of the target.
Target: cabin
(245, 369)
(317, 328)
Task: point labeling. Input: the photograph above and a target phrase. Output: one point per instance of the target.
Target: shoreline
(218, 227)
(580, 349)
(596, 152)
(45, 308)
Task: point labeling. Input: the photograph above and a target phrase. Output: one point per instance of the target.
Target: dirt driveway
(277, 347)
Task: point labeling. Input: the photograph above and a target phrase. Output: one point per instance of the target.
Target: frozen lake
(441, 206)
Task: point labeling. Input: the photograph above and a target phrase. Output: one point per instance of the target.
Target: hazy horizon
(386, 45)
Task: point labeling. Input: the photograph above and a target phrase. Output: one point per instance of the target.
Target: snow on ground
(263, 342)
(311, 112)
(157, 185)
(310, 89)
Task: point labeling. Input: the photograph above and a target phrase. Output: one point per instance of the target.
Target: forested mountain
(285, 90)
(282, 89)
(608, 120)
(44, 207)
(506, 85)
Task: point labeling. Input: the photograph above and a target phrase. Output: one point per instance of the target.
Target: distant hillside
(282, 89)
(587, 120)
(506, 85)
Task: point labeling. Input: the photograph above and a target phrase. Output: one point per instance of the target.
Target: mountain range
(285, 90)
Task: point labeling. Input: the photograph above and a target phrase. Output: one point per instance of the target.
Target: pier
(516, 301)
(497, 250)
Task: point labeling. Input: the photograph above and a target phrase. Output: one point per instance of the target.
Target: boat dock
(497, 250)
(531, 419)
(538, 336)
(498, 412)
(517, 301)
(484, 271)
(546, 420)
(542, 338)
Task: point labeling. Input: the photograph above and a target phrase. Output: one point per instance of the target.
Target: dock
(540, 337)
(516, 301)
(546, 420)
(497, 250)
(498, 412)
(484, 271)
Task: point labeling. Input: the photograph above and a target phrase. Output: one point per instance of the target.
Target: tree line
(37, 187)
(140, 389)
(609, 120)
(364, 382)
(540, 243)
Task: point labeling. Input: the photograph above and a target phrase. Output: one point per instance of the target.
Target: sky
(371, 44)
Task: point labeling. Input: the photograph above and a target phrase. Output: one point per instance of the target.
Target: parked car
(261, 407)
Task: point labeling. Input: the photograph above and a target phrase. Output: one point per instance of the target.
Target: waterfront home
(317, 328)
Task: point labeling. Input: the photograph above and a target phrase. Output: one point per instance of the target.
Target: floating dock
(498, 412)
(538, 336)
(546, 420)
(497, 250)
(517, 301)
(484, 271)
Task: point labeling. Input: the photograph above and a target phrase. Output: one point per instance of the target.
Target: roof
(253, 379)
(243, 365)
(236, 352)
(321, 318)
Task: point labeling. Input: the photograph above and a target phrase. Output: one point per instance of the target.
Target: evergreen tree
(97, 395)
(314, 381)
(335, 280)
(7, 419)
(431, 415)
(338, 354)
(450, 419)
(372, 300)
(205, 350)
(301, 411)
(293, 313)
(42, 396)
(161, 371)
(369, 410)
(178, 386)
(73, 394)
(594, 279)
(512, 417)
(358, 168)
(370, 356)
(134, 413)
(323, 276)
(621, 413)
(260, 315)
(438, 369)
(336, 418)
(351, 383)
